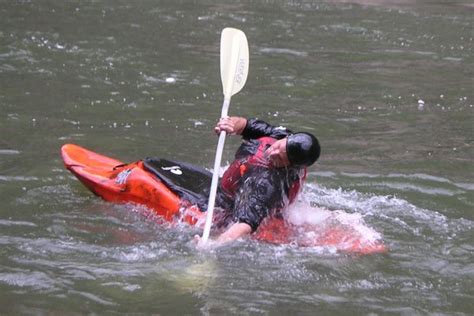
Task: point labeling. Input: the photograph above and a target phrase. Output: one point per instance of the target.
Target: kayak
(177, 193)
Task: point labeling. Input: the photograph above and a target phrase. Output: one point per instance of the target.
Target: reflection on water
(142, 79)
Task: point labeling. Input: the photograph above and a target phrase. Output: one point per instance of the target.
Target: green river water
(387, 86)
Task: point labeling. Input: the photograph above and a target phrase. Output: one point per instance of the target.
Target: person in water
(266, 175)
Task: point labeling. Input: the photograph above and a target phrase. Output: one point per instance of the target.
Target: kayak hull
(117, 182)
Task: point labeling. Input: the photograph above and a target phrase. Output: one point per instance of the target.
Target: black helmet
(302, 149)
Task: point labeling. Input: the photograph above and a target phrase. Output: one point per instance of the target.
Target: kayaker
(266, 175)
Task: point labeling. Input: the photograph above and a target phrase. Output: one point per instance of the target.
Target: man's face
(277, 153)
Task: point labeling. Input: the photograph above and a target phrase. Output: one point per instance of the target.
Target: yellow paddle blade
(234, 61)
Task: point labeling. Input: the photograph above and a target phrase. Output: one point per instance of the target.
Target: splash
(332, 230)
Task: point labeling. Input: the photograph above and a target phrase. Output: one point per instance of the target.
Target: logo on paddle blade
(240, 73)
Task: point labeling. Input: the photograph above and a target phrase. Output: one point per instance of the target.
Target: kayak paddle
(234, 69)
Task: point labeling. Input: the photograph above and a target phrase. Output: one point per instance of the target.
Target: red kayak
(175, 190)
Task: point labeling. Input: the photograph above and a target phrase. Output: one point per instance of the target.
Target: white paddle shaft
(215, 176)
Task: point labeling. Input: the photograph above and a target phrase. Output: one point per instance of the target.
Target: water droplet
(421, 105)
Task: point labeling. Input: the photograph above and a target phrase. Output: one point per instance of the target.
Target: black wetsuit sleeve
(257, 128)
(260, 193)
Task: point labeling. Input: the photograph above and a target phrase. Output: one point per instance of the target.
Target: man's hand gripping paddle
(234, 69)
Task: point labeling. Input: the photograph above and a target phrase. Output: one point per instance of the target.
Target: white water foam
(391, 213)
(314, 220)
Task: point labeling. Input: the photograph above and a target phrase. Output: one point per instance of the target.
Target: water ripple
(33, 279)
(16, 223)
(284, 51)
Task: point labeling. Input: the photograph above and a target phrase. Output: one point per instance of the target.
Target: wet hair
(303, 149)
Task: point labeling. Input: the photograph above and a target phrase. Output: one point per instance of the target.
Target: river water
(386, 85)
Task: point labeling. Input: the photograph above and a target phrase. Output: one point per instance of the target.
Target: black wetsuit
(251, 188)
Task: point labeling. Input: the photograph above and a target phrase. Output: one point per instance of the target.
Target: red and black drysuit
(251, 188)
